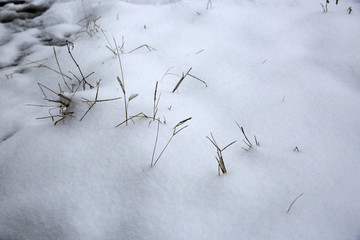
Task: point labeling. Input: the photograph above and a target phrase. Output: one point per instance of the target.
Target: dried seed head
(132, 96)
(121, 84)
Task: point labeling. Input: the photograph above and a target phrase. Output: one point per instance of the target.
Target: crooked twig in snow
(176, 130)
(92, 103)
(184, 76)
(144, 45)
(219, 158)
(294, 202)
(83, 79)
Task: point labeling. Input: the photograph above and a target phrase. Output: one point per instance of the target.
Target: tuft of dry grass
(62, 104)
(219, 158)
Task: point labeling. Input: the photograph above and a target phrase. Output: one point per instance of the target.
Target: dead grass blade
(68, 44)
(184, 76)
(142, 46)
(219, 158)
(294, 202)
(175, 131)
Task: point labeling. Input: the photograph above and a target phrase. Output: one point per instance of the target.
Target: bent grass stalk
(175, 132)
(184, 76)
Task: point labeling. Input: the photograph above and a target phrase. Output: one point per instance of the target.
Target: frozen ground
(282, 69)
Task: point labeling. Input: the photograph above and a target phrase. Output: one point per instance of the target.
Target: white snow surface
(282, 69)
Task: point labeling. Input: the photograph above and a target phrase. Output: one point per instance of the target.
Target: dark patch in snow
(19, 16)
(3, 3)
(23, 10)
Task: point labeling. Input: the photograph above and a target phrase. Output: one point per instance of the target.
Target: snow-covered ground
(284, 70)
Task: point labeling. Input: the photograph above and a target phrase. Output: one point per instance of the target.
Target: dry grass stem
(83, 79)
(256, 141)
(156, 140)
(110, 47)
(122, 82)
(219, 158)
(199, 51)
(209, 5)
(144, 45)
(325, 8)
(184, 76)
(175, 131)
(294, 202)
(92, 103)
(140, 115)
(247, 141)
(156, 101)
(61, 73)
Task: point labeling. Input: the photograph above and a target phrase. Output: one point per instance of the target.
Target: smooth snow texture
(283, 70)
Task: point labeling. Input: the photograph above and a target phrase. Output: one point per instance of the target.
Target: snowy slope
(283, 70)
